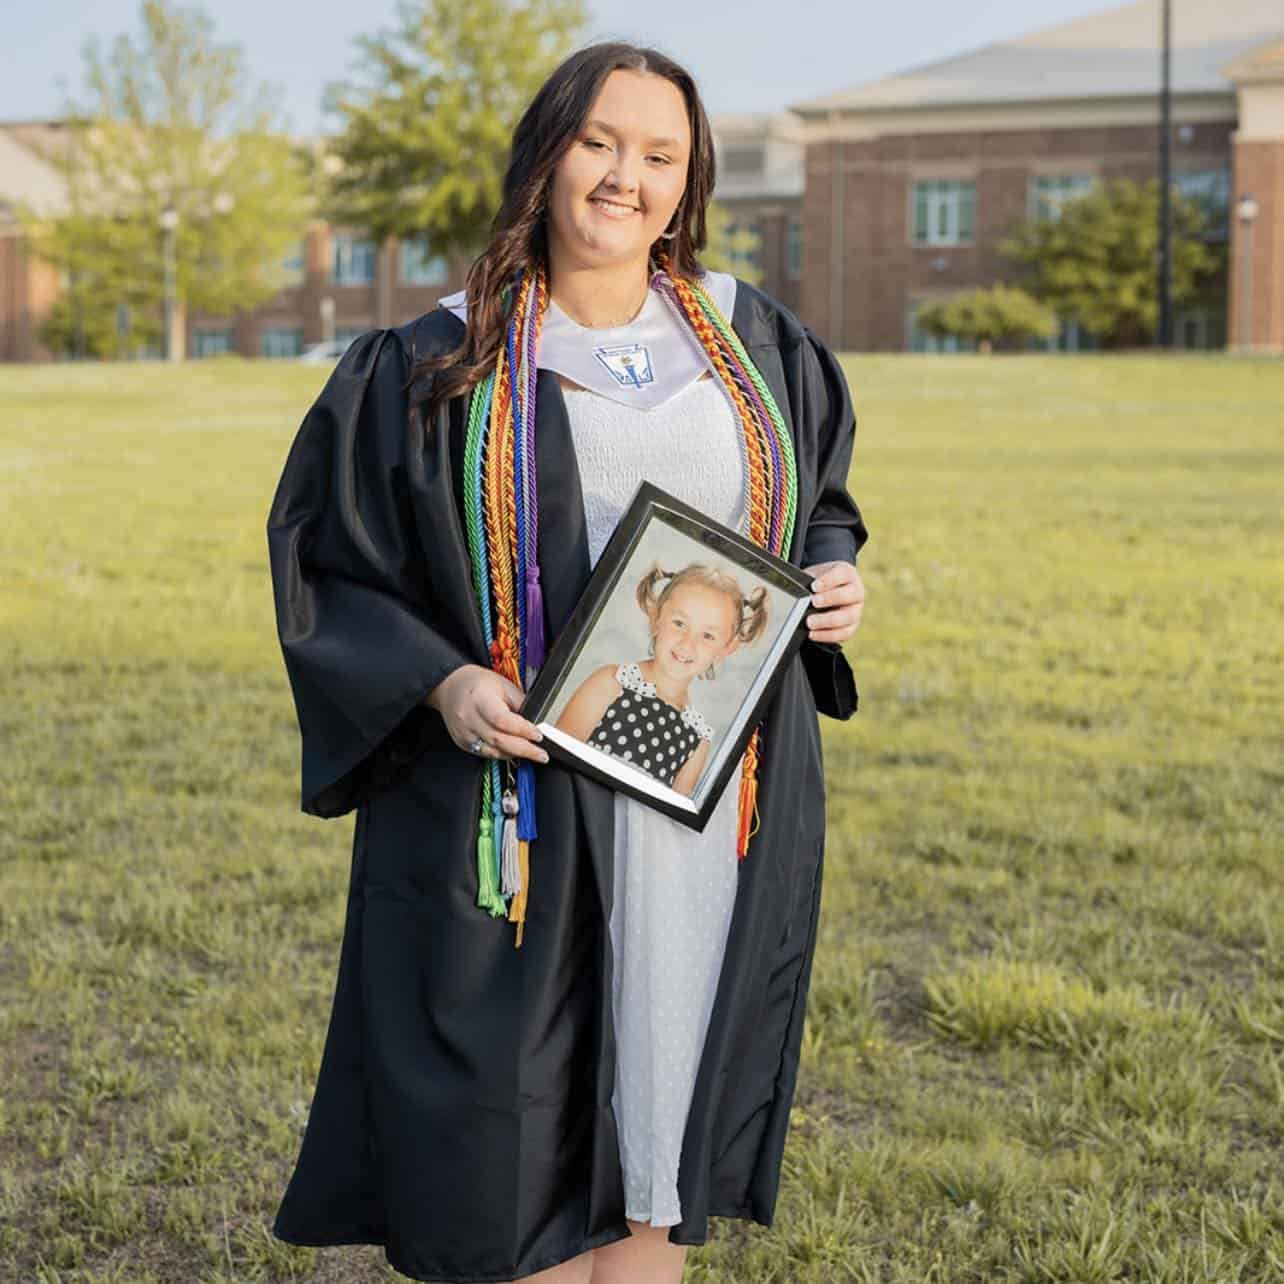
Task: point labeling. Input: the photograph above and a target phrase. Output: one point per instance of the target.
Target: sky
(746, 55)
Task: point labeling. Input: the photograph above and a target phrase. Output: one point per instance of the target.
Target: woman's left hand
(838, 590)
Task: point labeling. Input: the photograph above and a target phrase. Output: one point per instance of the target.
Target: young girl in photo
(640, 711)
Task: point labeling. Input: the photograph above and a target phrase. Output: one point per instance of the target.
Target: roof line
(916, 68)
(976, 104)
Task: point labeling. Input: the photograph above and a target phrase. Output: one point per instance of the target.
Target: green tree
(1001, 312)
(730, 248)
(424, 140)
(171, 123)
(1097, 263)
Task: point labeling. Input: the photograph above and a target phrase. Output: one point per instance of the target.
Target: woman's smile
(612, 209)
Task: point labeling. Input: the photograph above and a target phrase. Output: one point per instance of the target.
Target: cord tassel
(534, 618)
(526, 830)
(508, 847)
(488, 897)
(517, 908)
(496, 822)
(748, 803)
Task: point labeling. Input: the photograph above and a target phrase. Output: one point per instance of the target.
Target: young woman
(575, 1109)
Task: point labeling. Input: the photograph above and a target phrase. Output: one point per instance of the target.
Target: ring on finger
(476, 745)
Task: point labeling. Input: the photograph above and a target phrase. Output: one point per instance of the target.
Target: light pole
(220, 203)
(1246, 209)
(169, 222)
(1165, 335)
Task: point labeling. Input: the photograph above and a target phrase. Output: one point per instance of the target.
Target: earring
(668, 236)
(650, 650)
(709, 673)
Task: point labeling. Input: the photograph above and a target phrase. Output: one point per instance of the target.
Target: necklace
(608, 325)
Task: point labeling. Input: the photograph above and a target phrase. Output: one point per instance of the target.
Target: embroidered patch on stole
(629, 363)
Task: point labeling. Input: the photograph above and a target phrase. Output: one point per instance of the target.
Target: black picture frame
(789, 588)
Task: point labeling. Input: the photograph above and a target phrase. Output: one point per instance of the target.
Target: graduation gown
(462, 1114)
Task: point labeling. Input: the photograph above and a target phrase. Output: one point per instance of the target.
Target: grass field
(1045, 1037)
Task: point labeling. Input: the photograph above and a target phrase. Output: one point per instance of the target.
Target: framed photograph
(670, 657)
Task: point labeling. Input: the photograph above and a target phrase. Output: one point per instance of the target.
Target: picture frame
(670, 658)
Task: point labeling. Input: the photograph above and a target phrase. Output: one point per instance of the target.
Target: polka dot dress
(674, 887)
(643, 728)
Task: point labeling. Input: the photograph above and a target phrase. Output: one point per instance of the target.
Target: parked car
(326, 352)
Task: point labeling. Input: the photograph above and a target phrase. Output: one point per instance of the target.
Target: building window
(793, 247)
(281, 341)
(292, 266)
(1209, 189)
(1200, 329)
(743, 243)
(741, 160)
(354, 260)
(944, 211)
(211, 343)
(419, 266)
(921, 341)
(1070, 337)
(1049, 192)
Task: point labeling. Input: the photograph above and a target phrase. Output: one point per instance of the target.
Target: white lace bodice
(674, 888)
(690, 446)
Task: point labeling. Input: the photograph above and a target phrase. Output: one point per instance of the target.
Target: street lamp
(220, 203)
(1164, 336)
(169, 222)
(1246, 210)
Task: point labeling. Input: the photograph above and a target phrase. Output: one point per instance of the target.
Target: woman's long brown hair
(518, 237)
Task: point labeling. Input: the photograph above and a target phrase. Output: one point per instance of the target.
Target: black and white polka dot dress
(674, 888)
(641, 727)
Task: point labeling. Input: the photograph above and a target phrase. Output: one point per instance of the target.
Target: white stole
(642, 363)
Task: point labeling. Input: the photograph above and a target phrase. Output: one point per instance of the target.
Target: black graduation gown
(462, 1115)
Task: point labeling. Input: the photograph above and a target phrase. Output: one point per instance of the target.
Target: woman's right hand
(478, 703)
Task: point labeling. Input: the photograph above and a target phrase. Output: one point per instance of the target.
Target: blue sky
(751, 55)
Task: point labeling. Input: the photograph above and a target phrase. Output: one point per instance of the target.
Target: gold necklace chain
(608, 325)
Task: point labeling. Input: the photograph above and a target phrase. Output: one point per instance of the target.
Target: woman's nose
(624, 173)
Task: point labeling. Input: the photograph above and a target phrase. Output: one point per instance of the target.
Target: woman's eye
(664, 159)
(594, 142)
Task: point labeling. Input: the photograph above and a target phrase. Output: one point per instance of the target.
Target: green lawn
(1046, 1030)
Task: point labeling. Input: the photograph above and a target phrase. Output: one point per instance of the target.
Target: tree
(1097, 263)
(1001, 312)
(423, 145)
(171, 123)
(730, 248)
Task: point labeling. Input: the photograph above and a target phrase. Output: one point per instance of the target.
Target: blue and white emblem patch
(629, 363)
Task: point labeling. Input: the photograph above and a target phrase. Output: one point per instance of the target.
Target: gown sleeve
(364, 640)
(835, 529)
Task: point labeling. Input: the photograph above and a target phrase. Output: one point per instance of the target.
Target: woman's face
(617, 185)
(693, 629)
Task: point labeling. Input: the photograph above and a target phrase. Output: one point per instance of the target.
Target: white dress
(674, 887)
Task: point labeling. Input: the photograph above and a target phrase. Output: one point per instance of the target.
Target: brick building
(912, 180)
(340, 283)
(867, 202)
(760, 182)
